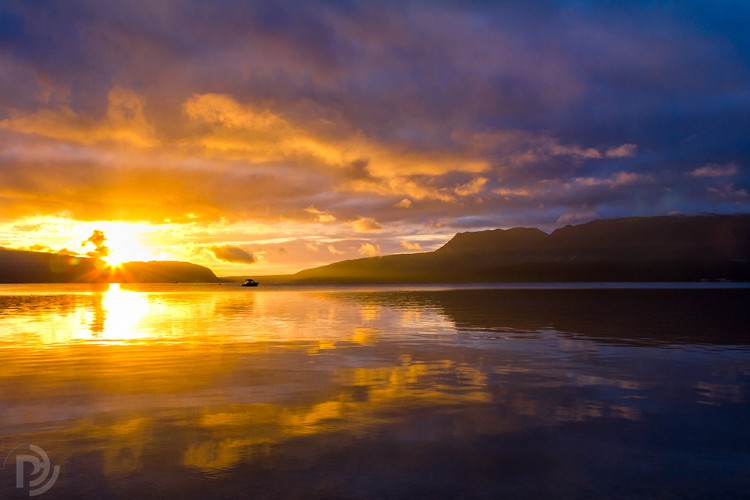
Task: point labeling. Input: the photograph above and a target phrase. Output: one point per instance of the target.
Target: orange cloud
(366, 224)
(416, 188)
(333, 250)
(244, 131)
(507, 192)
(97, 239)
(231, 253)
(369, 250)
(472, 187)
(321, 215)
(125, 123)
(414, 247)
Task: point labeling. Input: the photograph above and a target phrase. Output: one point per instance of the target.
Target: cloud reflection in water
(223, 390)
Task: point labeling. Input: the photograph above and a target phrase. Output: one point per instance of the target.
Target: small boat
(250, 282)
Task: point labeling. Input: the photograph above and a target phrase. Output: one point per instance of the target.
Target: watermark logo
(43, 474)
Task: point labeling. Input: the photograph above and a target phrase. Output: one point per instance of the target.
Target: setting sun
(123, 243)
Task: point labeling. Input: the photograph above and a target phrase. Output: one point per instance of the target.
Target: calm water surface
(188, 391)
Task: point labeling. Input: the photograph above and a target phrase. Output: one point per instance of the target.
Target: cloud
(516, 149)
(622, 151)
(417, 187)
(231, 253)
(509, 192)
(577, 216)
(728, 191)
(333, 250)
(125, 123)
(366, 224)
(574, 151)
(97, 239)
(369, 249)
(321, 215)
(412, 247)
(41, 248)
(472, 187)
(553, 148)
(713, 170)
(615, 180)
(405, 203)
(245, 131)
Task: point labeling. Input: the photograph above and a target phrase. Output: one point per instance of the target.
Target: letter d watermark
(42, 476)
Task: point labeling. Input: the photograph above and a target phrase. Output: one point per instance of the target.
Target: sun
(124, 244)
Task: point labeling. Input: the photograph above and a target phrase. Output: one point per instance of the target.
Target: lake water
(208, 391)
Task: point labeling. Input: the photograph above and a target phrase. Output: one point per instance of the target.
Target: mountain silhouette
(664, 248)
(40, 267)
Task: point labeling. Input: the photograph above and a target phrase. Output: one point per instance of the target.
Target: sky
(269, 137)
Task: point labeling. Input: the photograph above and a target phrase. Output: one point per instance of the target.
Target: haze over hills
(39, 267)
(666, 248)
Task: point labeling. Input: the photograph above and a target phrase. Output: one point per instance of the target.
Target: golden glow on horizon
(124, 243)
(283, 247)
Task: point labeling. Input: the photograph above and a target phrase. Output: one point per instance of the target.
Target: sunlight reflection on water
(377, 392)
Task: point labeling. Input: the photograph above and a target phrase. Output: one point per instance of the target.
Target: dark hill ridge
(667, 248)
(630, 239)
(39, 267)
(160, 271)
